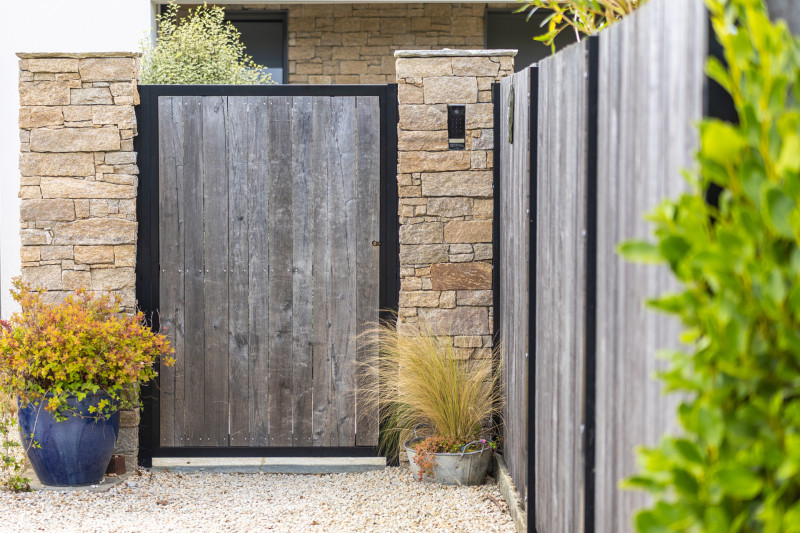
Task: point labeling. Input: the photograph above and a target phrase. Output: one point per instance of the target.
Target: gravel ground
(389, 500)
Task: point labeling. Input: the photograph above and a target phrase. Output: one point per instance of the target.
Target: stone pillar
(79, 179)
(446, 204)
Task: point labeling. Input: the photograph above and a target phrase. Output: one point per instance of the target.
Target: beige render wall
(446, 196)
(355, 43)
(78, 182)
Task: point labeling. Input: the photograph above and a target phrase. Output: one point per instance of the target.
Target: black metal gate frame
(147, 253)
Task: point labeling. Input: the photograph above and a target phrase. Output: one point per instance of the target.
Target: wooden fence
(612, 124)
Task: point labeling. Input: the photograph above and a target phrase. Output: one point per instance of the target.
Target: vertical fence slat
(650, 99)
(215, 282)
(301, 280)
(258, 215)
(322, 415)
(240, 119)
(194, 359)
(280, 252)
(367, 256)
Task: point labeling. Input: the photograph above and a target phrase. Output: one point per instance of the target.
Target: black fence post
(591, 283)
(532, 212)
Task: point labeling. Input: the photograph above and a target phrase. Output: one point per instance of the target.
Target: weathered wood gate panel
(269, 208)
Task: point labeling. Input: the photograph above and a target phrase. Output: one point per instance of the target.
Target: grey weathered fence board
(258, 214)
(321, 420)
(239, 112)
(279, 229)
(171, 249)
(194, 362)
(367, 256)
(215, 283)
(649, 104)
(560, 257)
(342, 291)
(270, 207)
(302, 284)
(514, 236)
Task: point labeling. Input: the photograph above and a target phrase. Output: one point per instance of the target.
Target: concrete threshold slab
(270, 465)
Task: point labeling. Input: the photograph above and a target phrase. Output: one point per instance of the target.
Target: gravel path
(389, 500)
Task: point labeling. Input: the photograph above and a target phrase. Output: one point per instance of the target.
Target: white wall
(50, 26)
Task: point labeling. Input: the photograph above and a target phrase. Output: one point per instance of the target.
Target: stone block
(475, 66)
(78, 113)
(475, 298)
(470, 231)
(56, 253)
(479, 116)
(113, 279)
(483, 208)
(468, 341)
(30, 254)
(483, 252)
(419, 298)
(450, 207)
(35, 210)
(125, 255)
(464, 321)
(423, 67)
(40, 116)
(409, 94)
(34, 237)
(56, 164)
(93, 255)
(30, 191)
(120, 158)
(447, 300)
(422, 140)
(107, 69)
(75, 140)
(425, 233)
(52, 64)
(45, 93)
(127, 444)
(451, 90)
(409, 162)
(123, 115)
(484, 141)
(422, 254)
(460, 183)
(81, 188)
(95, 231)
(76, 279)
(423, 117)
(461, 276)
(47, 277)
(129, 418)
(91, 96)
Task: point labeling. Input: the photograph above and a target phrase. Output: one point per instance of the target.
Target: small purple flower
(483, 441)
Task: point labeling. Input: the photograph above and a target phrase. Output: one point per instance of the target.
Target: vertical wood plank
(342, 288)
(171, 314)
(302, 190)
(322, 422)
(194, 359)
(240, 136)
(258, 208)
(215, 283)
(367, 256)
(280, 254)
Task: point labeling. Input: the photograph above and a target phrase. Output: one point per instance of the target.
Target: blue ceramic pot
(73, 452)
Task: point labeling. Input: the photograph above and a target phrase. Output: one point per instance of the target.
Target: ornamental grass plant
(421, 378)
(82, 346)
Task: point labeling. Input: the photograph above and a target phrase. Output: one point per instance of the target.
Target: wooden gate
(269, 245)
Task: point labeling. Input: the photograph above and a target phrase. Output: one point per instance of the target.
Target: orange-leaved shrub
(81, 346)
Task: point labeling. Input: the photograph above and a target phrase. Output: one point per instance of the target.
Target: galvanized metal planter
(463, 468)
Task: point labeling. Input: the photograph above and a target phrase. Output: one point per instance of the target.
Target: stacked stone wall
(446, 196)
(355, 43)
(78, 181)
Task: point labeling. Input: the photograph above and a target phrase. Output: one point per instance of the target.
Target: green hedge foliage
(199, 49)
